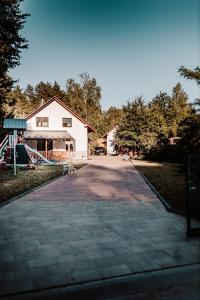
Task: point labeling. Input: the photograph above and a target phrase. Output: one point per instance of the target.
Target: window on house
(67, 122)
(42, 122)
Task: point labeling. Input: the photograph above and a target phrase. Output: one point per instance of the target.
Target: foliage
(11, 45)
(133, 125)
(11, 42)
(193, 75)
(190, 132)
(168, 153)
(190, 74)
(45, 91)
(110, 118)
(17, 103)
(149, 126)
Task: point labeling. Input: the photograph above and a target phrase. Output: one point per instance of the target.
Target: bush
(168, 153)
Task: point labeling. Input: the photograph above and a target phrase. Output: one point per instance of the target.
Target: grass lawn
(27, 179)
(168, 179)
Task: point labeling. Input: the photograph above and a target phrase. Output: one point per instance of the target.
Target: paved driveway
(102, 223)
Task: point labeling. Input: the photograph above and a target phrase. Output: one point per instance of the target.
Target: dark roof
(91, 129)
(47, 134)
(14, 124)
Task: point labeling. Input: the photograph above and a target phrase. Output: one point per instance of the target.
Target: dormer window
(66, 122)
(42, 122)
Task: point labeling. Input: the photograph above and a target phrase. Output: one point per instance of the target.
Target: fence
(193, 195)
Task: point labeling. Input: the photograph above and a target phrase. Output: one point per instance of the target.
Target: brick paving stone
(103, 222)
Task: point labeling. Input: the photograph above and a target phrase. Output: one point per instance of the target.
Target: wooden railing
(52, 155)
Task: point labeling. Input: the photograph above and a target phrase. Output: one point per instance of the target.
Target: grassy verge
(26, 180)
(168, 179)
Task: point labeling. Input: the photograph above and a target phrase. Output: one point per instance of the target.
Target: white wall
(110, 142)
(55, 112)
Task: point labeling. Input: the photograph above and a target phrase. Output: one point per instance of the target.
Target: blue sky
(131, 47)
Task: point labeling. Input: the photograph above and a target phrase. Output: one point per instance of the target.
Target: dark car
(99, 150)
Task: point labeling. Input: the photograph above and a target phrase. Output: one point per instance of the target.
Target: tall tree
(11, 44)
(31, 97)
(46, 90)
(133, 125)
(180, 106)
(75, 97)
(110, 118)
(167, 112)
(193, 75)
(21, 107)
(190, 74)
(84, 97)
(190, 133)
(92, 98)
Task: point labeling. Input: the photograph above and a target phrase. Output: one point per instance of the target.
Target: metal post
(14, 151)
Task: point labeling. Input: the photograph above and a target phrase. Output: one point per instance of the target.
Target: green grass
(169, 180)
(26, 180)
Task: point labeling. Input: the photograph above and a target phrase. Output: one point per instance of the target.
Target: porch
(53, 145)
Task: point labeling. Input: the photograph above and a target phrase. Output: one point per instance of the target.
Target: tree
(91, 98)
(193, 75)
(190, 74)
(167, 112)
(21, 107)
(158, 118)
(75, 98)
(133, 125)
(45, 90)
(11, 45)
(190, 133)
(11, 42)
(182, 109)
(31, 97)
(84, 98)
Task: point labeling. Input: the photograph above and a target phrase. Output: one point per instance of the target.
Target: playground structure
(13, 151)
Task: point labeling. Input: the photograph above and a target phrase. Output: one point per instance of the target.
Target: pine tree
(193, 75)
(11, 44)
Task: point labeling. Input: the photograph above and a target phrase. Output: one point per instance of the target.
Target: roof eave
(91, 129)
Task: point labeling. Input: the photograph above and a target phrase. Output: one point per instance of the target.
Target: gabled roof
(14, 124)
(115, 127)
(65, 107)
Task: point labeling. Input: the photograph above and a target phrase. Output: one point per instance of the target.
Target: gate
(193, 195)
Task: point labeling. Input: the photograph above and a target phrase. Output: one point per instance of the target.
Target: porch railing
(52, 155)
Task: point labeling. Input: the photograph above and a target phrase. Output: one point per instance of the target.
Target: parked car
(99, 150)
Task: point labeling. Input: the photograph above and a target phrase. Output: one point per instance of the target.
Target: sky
(132, 47)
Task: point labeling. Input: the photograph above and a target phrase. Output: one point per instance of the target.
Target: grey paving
(102, 223)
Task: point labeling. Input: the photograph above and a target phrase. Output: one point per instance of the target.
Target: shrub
(168, 153)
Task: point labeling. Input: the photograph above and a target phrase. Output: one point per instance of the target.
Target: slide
(29, 149)
(22, 156)
(3, 146)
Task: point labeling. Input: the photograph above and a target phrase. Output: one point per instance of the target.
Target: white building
(110, 141)
(57, 132)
